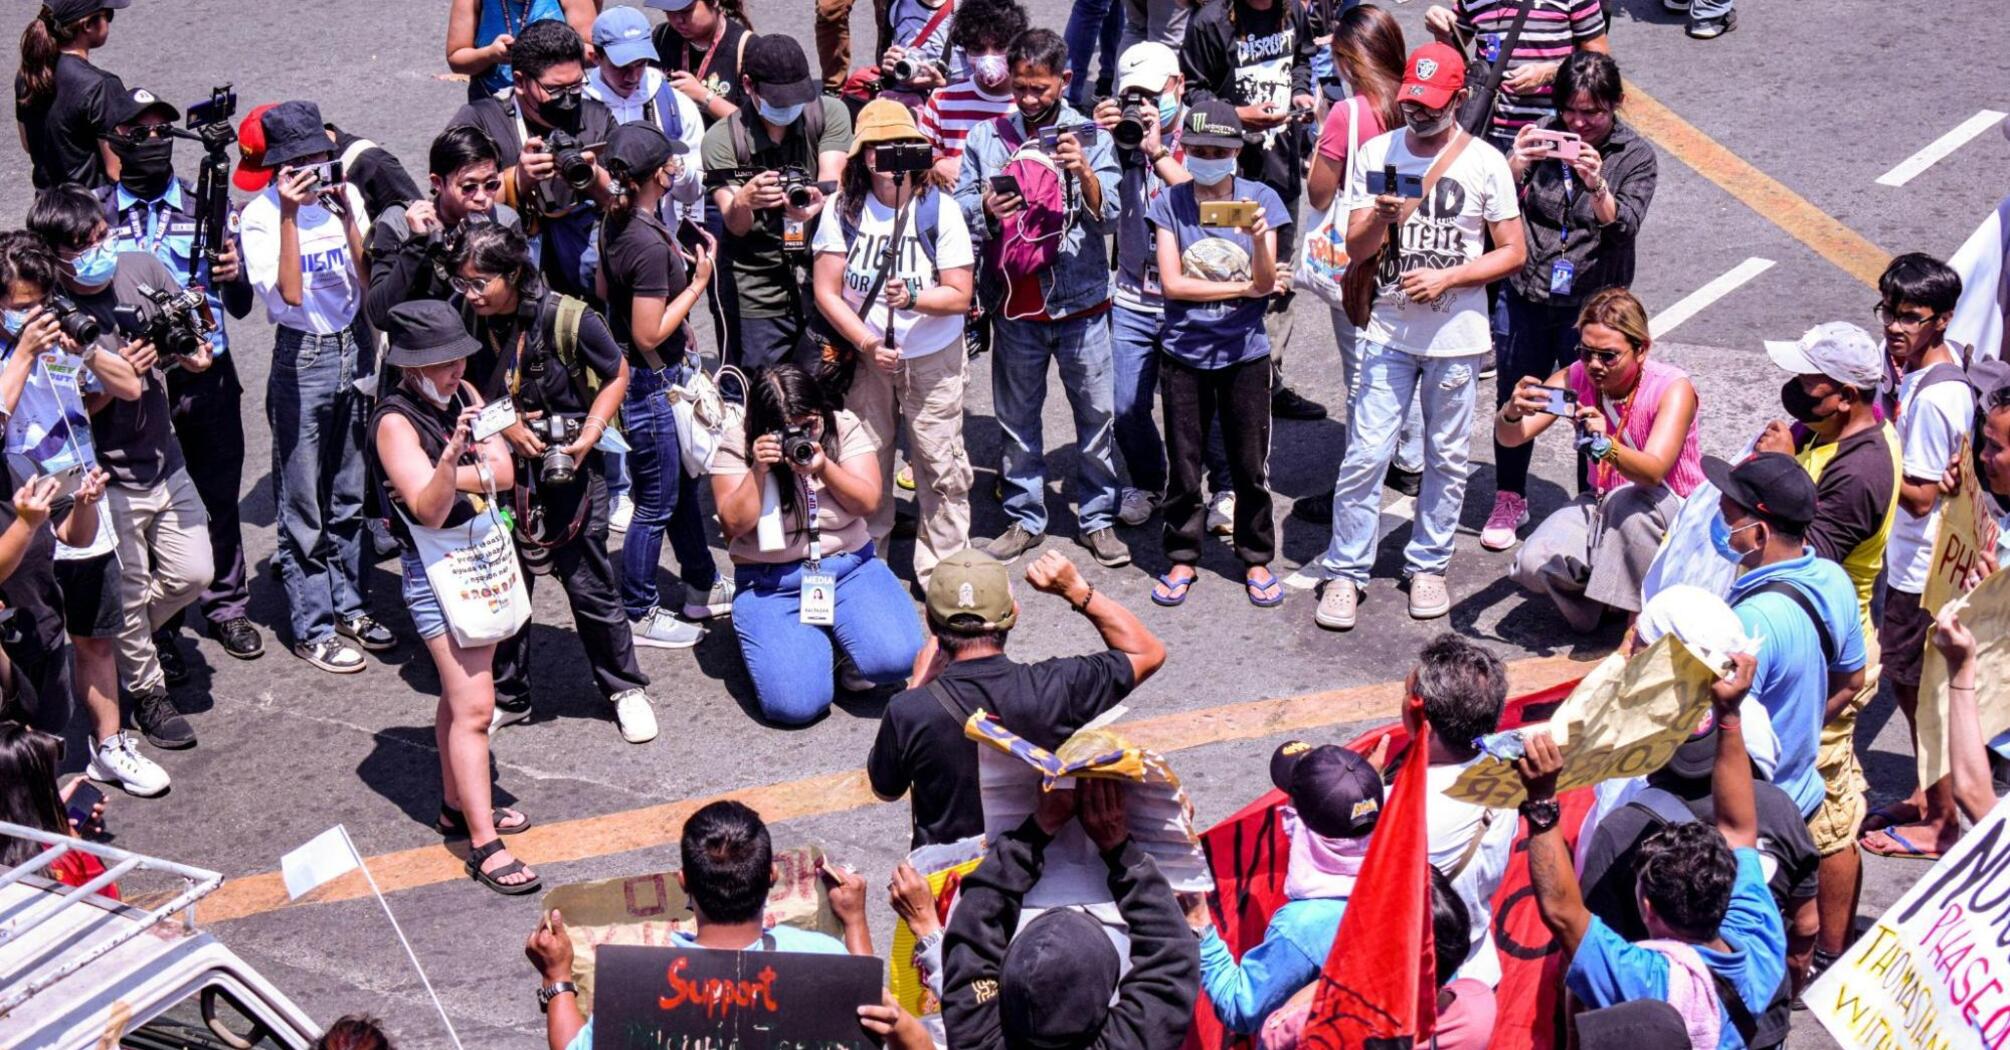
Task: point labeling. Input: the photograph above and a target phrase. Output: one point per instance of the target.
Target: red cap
(1436, 73)
(252, 176)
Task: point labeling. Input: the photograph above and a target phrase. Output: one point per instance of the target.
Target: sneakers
(1677, 6)
(1013, 542)
(160, 723)
(117, 761)
(1712, 28)
(501, 714)
(372, 636)
(1509, 515)
(1106, 548)
(331, 654)
(658, 629)
(167, 649)
(239, 638)
(620, 513)
(717, 602)
(635, 715)
(1429, 598)
(1337, 604)
(1287, 403)
(905, 477)
(1221, 514)
(1403, 482)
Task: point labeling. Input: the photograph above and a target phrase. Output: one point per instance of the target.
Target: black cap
(293, 130)
(427, 332)
(1697, 756)
(1772, 486)
(1055, 985)
(1335, 791)
(68, 11)
(637, 149)
(126, 108)
(1212, 123)
(780, 71)
(1637, 1024)
(1991, 378)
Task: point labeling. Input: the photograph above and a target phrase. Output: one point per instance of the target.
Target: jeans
(763, 341)
(207, 412)
(1019, 391)
(317, 478)
(1237, 397)
(1093, 25)
(791, 662)
(1541, 339)
(922, 398)
(1134, 360)
(614, 467)
(1410, 439)
(1701, 9)
(665, 497)
(1392, 380)
(164, 564)
(584, 569)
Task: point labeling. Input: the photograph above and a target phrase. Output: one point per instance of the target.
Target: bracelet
(1505, 418)
(1086, 599)
(596, 420)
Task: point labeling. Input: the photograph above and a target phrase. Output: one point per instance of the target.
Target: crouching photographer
(556, 362)
(410, 244)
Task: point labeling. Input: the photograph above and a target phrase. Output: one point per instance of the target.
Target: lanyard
(1569, 196)
(1606, 471)
(816, 550)
(522, 18)
(512, 368)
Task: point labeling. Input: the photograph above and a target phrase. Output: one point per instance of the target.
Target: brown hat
(971, 589)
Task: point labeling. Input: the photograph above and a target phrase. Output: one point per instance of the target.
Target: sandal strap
(498, 875)
(478, 854)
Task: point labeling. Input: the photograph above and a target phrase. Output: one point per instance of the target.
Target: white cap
(1839, 350)
(1146, 66)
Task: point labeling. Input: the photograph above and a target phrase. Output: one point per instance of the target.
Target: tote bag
(475, 576)
(1322, 254)
(703, 413)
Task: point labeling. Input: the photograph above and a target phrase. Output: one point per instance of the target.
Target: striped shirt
(950, 113)
(1555, 28)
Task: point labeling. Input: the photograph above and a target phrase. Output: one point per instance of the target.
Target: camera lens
(904, 69)
(556, 467)
(1130, 130)
(799, 196)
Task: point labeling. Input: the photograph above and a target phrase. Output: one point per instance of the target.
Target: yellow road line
(839, 792)
(1774, 202)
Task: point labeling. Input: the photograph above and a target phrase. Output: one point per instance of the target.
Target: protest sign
(1625, 719)
(944, 865)
(1958, 544)
(1986, 612)
(678, 998)
(1934, 971)
(647, 909)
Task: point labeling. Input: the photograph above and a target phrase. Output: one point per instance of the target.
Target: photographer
(894, 234)
(152, 211)
(627, 82)
(553, 357)
(546, 130)
(700, 46)
(303, 247)
(63, 103)
(807, 584)
(767, 165)
(408, 242)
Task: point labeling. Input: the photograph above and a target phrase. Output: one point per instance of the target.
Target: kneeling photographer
(409, 243)
(554, 359)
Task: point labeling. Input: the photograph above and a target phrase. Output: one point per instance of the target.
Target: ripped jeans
(1391, 381)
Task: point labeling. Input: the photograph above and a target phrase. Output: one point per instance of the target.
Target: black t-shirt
(435, 427)
(563, 216)
(377, 174)
(63, 134)
(921, 749)
(722, 73)
(498, 118)
(640, 257)
(543, 381)
(1853, 495)
(136, 446)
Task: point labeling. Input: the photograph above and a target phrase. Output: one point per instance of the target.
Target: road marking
(1846, 248)
(1939, 149)
(660, 825)
(1697, 301)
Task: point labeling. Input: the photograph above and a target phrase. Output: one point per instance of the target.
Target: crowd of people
(502, 357)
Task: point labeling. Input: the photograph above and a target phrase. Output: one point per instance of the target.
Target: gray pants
(1591, 556)
(1160, 20)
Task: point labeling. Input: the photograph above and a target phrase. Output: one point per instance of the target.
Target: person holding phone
(30, 797)
(1635, 420)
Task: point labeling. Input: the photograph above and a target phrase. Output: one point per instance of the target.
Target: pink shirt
(1466, 1023)
(1655, 379)
(1333, 135)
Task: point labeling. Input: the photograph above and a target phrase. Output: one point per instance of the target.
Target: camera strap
(816, 548)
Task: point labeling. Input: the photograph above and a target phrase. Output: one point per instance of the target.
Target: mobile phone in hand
(1562, 401)
(494, 418)
(1005, 185)
(1406, 185)
(82, 801)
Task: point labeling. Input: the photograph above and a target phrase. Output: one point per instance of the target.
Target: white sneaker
(716, 602)
(658, 629)
(1136, 506)
(620, 514)
(501, 715)
(118, 761)
(635, 716)
(1221, 514)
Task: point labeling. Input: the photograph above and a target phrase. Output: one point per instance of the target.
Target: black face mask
(563, 110)
(1802, 405)
(147, 168)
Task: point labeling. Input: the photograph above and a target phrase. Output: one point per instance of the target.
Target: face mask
(1045, 114)
(1428, 129)
(94, 268)
(1207, 172)
(1720, 538)
(1168, 111)
(430, 392)
(989, 69)
(1802, 405)
(781, 116)
(563, 109)
(13, 321)
(146, 169)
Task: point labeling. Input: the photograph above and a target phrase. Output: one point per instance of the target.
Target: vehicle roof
(121, 973)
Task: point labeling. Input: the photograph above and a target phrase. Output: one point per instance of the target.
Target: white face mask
(990, 69)
(430, 392)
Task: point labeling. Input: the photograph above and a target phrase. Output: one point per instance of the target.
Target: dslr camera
(796, 186)
(81, 328)
(555, 466)
(1050, 136)
(176, 323)
(798, 447)
(1130, 130)
(569, 154)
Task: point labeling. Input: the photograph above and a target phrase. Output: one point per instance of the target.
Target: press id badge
(1562, 276)
(819, 598)
(795, 235)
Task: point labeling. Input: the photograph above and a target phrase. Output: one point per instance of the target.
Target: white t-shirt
(50, 430)
(1454, 824)
(1446, 231)
(686, 199)
(918, 334)
(330, 291)
(1931, 422)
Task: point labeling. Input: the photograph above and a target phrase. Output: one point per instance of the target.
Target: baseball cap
(68, 11)
(636, 147)
(1436, 72)
(126, 108)
(622, 34)
(252, 175)
(427, 332)
(1146, 66)
(1335, 791)
(1055, 983)
(884, 120)
(1696, 757)
(1640, 1024)
(971, 585)
(779, 70)
(1212, 123)
(1772, 485)
(669, 5)
(1839, 350)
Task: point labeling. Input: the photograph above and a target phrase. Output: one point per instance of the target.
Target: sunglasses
(139, 133)
(1589, 355)
(493, 186)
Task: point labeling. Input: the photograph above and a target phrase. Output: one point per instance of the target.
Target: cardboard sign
(944, 866)
(675, 998)
(1959, 542)
(1934, 971)
(1986, 612)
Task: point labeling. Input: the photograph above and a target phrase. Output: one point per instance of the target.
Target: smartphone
(326, 173)
(494, 418)
(1411, 186)
(1562, 400)
(221, 105)
(1239, 214)
(82, 801)
(1004, 185)
(1562, 145)
(896, 158)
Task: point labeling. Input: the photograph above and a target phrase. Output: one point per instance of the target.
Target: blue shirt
(1228, 332)
(1607, 970)
(1293, 951)
(1792, 678)
(508, 16)
(165, 229)
(787, 939)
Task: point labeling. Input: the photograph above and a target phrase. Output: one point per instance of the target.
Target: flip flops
(1900, 847)
(1263, 595)
(1892, 814)
(493, 879)
(454, 824)
(1175, 590)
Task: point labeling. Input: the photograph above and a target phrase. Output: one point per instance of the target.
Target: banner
(944, 865)
(1934, 972)
(1986, 612)
(1959, 541)
(658, 998)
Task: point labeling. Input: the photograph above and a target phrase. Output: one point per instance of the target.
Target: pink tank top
(1636, 422)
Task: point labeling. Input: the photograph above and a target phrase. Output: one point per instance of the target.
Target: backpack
(1029, 242)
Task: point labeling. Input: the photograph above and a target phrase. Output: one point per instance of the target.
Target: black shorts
(1902, 636)
(90, 587)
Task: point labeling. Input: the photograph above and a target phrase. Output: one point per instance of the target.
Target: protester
(480, 32)
(962, 669)
(62, 103)
(627, 81)
(1547, 40)
(1968, 757)
(1054, 982)
(981, 31)
(429, 469)
(898, 234)
(30, 797)
(1600, 196)
(700, 46)
(408, 243)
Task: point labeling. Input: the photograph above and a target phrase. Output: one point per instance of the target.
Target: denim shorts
(427, 616)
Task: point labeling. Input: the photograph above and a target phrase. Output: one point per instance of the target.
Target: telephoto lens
(1130, 130)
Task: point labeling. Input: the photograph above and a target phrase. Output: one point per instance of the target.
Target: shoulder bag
(474, 573)
(1478, 111)
(1322, 255)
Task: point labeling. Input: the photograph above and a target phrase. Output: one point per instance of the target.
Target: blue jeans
(1391, 381)
(1701, 9)
(1019, 358)
(791, 662)
(1093, 25)
(1410, 439)
(665, 497)
(317, 477)
(615, 466)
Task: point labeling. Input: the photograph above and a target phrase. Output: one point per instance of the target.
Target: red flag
(1379, 988)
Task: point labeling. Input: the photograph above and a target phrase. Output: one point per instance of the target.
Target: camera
(1050, 136)
(798, 447)
(555, 466)
(569, 154)
(176, 323)
(1301, 115)
(902, 158)
(80, 327)
(796, 186)
(1130, 130)
(904, 69)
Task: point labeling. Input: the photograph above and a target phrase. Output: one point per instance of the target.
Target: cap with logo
(252, 176)
(126, 108)
(622, 34)
(779, 70)
(971, 589)
(1772, 486)
(1335, 791)
(1146, 66)
(427, 332)
(1839, 350)
(1436, 73)
(884, 120)
(638, 148)
(1212, 123)
(68, 11)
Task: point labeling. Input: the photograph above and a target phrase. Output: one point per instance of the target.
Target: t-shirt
(922, 750)
(1472, 845)
(1607, 970)
(63, 134)
(1248, 990)
(720, 73)
(677, 117)
(949, 114)
(1333, 134)
(910, 17)
(1932, 418)
(1856, 501)
(1137, 285)
(1248, 57)
(839, 530)
(541, 381)
(331, 291)
(762, 270)
(639, 257)
(562, 216)
(508, 16)
(917, 334)
(1554, 29)
(1228, 332)
(51, 429)
(785, 939)
(136, 446)
(1445, 231)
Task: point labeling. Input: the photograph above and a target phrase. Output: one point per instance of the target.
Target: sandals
(454, 824)
(1263, 595)
(1175, 590)
(1891, 814)
(1894, 845)
(493, 879)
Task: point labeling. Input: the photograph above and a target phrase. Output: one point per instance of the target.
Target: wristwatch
(1542, 814)
(552, 991)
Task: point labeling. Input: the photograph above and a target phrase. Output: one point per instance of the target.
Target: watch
(552, 991)
(1542, 814)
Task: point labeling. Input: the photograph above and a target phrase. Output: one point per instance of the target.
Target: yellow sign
(1986, 612)
(1959, 543)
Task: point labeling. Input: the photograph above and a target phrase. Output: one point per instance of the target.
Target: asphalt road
(1823, 104)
